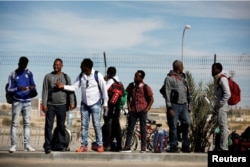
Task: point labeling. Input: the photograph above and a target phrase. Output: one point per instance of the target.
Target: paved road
(67, 163)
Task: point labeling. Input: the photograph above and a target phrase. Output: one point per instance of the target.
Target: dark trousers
(132, 118)
(112, 129)
(58, 111)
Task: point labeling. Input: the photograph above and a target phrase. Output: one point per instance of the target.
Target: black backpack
(55, 144)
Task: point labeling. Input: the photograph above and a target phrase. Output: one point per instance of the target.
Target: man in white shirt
(93, 87)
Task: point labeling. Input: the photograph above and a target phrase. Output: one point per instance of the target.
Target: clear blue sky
(126, 27)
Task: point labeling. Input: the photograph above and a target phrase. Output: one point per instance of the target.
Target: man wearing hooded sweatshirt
(221, 96)
(177, 101)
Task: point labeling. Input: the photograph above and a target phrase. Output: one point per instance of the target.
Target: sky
(220, 27)
(127, 28)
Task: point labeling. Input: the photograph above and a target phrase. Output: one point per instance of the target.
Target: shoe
(126, 150)
(83, 148)
(12, 149)
(219, 149)
(100, 148)
(186, 150)
(29, 148)
(48, 151)
(173, 151)
(143, 150)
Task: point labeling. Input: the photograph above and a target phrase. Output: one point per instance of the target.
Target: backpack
(234, 90)
(9, 95)
(162, 91)
(123, 99)
(55, 145)
(160, 138)
(115, 92)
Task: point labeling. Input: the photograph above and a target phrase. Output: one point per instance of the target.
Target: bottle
(70, 117)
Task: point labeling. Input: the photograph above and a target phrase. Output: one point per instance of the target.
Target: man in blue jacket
(21, 84)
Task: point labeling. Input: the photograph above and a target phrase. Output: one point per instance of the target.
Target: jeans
(180, 113)
(58, 111)
(132, 118)
(95, 111)
(223, 126)
(25, 109)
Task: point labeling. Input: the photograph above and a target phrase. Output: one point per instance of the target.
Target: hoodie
(221, 89)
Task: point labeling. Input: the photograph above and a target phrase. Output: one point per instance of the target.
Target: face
(86, 70)
(57, 66)
(137, 78)
(181, 67)
(214, 71)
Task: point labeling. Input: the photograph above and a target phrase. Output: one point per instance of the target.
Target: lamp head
(187, 26)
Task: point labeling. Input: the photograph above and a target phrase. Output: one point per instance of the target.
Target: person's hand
(45, 109)
(22, 88)
(72, 107)
(31, 87)
(170, 112)
(59, 85)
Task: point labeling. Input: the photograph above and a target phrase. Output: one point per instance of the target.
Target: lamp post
(186, 27)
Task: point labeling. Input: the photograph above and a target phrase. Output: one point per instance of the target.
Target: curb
(107, 156)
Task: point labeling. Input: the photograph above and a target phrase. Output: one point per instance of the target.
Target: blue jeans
(95, 111)
(180, 113)
(25, 109)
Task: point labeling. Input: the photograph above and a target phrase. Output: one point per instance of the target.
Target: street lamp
(186, 27)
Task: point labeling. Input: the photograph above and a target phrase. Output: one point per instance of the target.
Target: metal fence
(155, 66)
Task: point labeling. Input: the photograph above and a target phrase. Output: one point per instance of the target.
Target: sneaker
(48, 151)
(143, 150)
(29, 148)
(100, 148)
(12, 148)
(173, 150)
(126, 149)
(83, 148)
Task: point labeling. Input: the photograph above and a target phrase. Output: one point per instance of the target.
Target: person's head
(23, 62)
(216, 68)
(86, 66)
(111, 72)
(178, 66)
(58, 64)
(139, 76)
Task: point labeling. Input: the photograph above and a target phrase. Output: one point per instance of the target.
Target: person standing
(94, 91)
(139, 101)
(221, 94)
(54, 104)
(112, 127)
(21, 83)
(177, 101)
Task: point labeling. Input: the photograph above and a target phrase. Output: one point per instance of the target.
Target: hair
(111, 71)
(58, 59)
(23, 60)
(218, 66)
(87, 62)
(142, 73)
(175, 64)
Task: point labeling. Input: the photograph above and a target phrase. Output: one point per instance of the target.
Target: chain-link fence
(155, 66)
